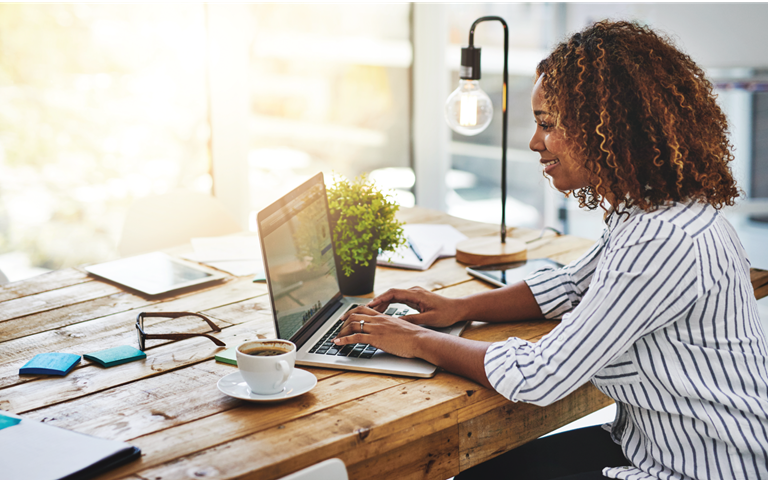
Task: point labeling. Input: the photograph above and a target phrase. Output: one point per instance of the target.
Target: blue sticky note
(115, 356)
(50, 364)
(6, 421)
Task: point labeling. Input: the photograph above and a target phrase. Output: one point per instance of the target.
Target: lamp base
(490, 250)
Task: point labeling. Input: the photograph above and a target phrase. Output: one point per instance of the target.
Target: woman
(660, 314)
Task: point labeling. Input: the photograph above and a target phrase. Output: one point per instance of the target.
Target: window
(101, 104)
(329, 91)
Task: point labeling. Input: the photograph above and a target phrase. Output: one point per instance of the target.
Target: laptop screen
(298, 256)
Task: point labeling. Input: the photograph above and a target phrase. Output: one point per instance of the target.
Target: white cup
(266, 365)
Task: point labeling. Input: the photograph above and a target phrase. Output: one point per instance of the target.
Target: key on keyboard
(325, 345)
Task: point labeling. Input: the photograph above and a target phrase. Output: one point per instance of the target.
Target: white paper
(405, 257)
(237, 255)
(444, 234)
(35, 451)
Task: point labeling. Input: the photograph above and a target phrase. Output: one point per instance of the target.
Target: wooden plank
(162, 445)
(351, 431)
(118, 329)
(563, 249)
(489, 428)
(761, 292)
(52, 299)
(71, 314)
(530, 330)
(43, 283)
(759, 280)
(90, 378)
(434, 456)
(157, 403)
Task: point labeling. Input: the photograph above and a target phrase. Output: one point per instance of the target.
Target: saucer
(300, 382)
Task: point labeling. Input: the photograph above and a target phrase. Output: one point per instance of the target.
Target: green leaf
(363, 221)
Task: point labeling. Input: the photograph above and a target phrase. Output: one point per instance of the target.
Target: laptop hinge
(311, 327)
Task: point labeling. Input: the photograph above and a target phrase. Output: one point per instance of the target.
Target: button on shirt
(661, 316)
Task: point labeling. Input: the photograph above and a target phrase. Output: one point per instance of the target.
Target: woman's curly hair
(641, 115)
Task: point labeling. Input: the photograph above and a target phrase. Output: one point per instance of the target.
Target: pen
(413, 249)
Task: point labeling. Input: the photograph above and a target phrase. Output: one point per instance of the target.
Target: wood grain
(43, 283)
(759, 280)
(169, 406)
(495, 426)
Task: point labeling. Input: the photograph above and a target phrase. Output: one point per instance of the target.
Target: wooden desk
(169, 406)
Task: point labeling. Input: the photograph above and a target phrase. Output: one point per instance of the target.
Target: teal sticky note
(115, 356)
(50, 364)
(227, 356)
(6, 421)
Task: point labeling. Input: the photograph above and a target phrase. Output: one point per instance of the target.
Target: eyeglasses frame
(143, 336)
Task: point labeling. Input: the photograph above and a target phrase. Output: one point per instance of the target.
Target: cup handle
(282, 365)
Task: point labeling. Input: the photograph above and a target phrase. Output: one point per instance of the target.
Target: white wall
(727, 40)
(715, 35)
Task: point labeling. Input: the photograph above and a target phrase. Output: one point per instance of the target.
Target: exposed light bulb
(468, 109)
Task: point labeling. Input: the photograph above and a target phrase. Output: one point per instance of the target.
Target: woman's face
(566, 172)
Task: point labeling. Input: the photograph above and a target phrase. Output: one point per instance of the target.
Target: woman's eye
(544, 126)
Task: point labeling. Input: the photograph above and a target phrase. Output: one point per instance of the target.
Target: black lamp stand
(487, 250)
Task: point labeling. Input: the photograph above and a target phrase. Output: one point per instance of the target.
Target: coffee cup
(266, 365)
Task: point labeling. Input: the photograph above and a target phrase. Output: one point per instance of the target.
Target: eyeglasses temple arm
(182, 314)
(182, 336)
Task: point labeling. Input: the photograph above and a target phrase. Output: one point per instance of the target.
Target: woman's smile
(549, 164)
(567, 173)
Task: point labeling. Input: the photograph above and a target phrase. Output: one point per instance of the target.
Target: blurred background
(105, 104)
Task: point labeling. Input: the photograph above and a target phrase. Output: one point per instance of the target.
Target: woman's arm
(512, 303)
(400, 337)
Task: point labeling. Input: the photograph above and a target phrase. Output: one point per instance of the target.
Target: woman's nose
(537, 142)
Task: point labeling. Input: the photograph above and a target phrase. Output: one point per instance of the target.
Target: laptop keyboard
(325, 345)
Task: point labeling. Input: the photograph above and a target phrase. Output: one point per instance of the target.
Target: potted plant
(362, 223)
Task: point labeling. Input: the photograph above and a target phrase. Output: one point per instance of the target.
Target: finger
(396, 295)
(365, 310)
(385, 298)
(351, 339)
(352, 325)
(416, 318)
(380, 308)
(361, 310)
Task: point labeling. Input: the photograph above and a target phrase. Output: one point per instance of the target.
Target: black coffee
(264, 352)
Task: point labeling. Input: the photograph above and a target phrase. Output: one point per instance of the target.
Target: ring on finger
(362, 325)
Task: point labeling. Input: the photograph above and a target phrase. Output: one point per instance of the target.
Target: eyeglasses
(172, 336)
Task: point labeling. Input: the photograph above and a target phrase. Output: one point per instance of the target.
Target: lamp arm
(504, 117)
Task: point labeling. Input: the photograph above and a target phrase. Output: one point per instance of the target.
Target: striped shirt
(660, 315)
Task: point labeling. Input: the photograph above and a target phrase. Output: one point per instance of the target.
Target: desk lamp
(469, 111)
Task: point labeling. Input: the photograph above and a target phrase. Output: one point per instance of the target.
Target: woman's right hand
(434, 310)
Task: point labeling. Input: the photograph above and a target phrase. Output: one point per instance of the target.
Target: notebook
(36, 451)
(299, 263)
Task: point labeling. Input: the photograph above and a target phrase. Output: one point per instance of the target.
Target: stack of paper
(425, 243)
(235, 254)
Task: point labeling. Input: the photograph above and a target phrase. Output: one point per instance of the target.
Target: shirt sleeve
(644, 279)
(559, 291)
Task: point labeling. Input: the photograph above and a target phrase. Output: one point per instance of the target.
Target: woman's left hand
(393, 335)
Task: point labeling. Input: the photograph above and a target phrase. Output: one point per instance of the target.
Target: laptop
(300, 267)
